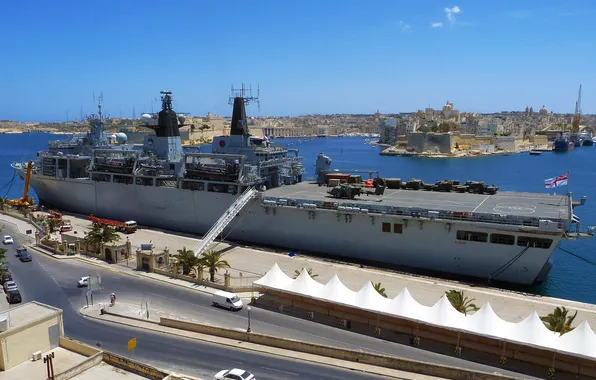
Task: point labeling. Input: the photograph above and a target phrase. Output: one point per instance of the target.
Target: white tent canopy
(530, 331)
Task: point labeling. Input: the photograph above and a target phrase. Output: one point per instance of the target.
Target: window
(472, 236)
(386, 227)
(502, 239)
(532, 242)
(398, 228)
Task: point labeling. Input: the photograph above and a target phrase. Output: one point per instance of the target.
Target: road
(54, 282)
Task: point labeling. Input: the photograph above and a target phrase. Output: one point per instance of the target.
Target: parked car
(23, 254)
(234, 374)
(83, 282)
(10, 285)
(227, 300)
(13, 296)
(65, 228)
(7, 239)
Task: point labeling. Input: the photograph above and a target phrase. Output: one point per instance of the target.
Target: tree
(99, 236)
(559, 321)
(188, 260)
(53, 224)
(310, 272)
(379, 289)
(460, 302)
(212, 260)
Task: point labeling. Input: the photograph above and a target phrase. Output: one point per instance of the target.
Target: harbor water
(570, 278)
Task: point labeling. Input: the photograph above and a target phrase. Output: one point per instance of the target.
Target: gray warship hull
(427, 243)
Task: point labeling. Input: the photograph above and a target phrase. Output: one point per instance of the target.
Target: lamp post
(248, 329)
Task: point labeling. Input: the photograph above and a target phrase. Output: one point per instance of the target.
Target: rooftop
(530, 205)
(36, 370)
(25, 314)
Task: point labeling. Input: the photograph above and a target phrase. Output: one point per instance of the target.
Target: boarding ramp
(249, 194)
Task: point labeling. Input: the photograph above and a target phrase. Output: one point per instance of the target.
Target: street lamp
(248, 329)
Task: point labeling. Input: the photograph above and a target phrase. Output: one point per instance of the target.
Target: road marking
(280, 371)
(477, 207)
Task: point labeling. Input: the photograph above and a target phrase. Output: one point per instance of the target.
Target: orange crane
(25, 201)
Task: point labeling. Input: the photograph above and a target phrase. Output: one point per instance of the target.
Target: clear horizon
(335, 57)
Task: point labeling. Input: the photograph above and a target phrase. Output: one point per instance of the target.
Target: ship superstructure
(249, 190)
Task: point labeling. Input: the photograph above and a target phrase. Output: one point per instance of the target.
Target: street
(54, 282)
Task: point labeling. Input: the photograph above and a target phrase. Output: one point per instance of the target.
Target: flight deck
(530, 205)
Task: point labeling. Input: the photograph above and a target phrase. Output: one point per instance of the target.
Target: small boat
(535, 153)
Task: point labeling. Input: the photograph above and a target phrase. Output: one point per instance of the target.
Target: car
(23, 254)
(227, 300)
(83, 282)
(234, 374)
(65, 228)
(10, 285)
(7, 240)
(13, 296)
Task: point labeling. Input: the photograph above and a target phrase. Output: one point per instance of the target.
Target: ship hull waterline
(429, 246)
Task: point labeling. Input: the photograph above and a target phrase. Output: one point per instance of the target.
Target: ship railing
(423, 214)
(275, 162)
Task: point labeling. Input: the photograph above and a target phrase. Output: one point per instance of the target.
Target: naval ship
(249, 190)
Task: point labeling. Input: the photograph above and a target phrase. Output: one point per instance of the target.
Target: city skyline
(312, 59)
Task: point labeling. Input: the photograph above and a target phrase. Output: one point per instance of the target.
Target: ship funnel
(239, 125)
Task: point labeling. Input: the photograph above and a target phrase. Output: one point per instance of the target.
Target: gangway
(225, 219)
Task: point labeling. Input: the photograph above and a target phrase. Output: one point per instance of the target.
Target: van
(227, 300)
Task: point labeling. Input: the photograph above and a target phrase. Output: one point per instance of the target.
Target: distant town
(444, 131)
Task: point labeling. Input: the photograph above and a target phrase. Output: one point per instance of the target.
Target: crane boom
(27, 181)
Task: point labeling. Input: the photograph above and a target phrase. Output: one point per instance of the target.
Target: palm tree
(460, 302)
(94, 237)
(99, 236)
(212, 260)
(379, 289)
(558, 321)
(53, 224)
(310, 272)
(188, 260)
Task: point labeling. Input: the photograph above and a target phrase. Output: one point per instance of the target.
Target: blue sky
(307, 56)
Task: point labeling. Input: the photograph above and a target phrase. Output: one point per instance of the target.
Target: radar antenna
(166, 100)
(99, 106)
(245, 94)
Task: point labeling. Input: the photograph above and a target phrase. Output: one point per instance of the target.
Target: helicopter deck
(530, 205)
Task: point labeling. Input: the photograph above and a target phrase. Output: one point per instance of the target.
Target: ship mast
(239, 97)
(578, 111)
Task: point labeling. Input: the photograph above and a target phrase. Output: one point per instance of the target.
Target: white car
(10, 285)
(83, 282)
(234, 374)
(7, 240)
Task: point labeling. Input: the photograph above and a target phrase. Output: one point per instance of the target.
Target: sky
(307, 56)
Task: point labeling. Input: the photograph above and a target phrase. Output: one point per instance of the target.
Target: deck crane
(578, 111)
(25, 201)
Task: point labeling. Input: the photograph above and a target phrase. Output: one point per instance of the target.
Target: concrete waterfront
(253, 263)
(259, 262)
(53, 282)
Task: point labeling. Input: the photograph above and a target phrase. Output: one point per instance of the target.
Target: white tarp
(531, 331)
(442, 313)
(275, 278)
(404, 305)
(486, 322)
(368, 298)
(581, 340)
(305, 285)
(336, 291)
